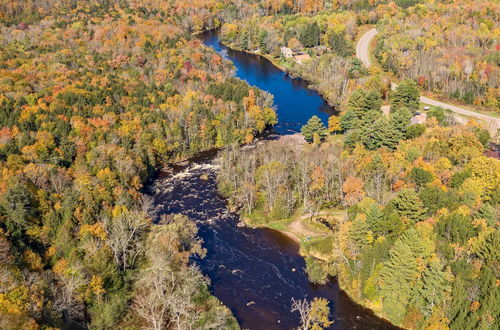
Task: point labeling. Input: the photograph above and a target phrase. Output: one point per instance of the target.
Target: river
(294, 101)
(255, 272)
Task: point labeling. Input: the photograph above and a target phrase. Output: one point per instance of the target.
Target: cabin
(419, 118)
(286, 52)
(301, 58)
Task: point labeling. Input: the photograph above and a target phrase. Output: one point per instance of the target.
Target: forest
(449, 47)
(97, 96)
(93, 102)
(410, 219)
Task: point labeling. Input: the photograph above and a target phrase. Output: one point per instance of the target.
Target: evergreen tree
(361, 102)
(373, 100)
(435, 198)
(420, 246)
(375, 219)
(397, 278)
(400, 278)
(380, 134)
(409, 205)
(339, 44)
(310, 35)
(420, 176)
(400, 119)
(406, 95)
(413, 131)
(314, 129)
(433, 288)
(359, 232)
(348, 120)
(489, 249)
(456, 228)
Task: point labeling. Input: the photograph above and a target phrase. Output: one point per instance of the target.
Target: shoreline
(245, 223)
(293, 75)
(292, 236)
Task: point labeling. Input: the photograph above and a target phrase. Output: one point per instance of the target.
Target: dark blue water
(255, 272)
(295, 103)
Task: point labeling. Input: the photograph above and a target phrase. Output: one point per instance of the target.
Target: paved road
(363, 53)
(363, 47)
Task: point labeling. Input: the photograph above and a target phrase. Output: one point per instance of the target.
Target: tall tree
(407, 95)
(310, 35)
(409, 205)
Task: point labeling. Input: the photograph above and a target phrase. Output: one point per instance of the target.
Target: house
(286, 52)
(301, 58)
(419, 118)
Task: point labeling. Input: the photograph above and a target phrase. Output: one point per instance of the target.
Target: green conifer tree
(406, 95)
(314, 127)
(409, 205)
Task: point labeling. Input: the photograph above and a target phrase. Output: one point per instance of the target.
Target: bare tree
(126, 230)
(66, 297)
(303, 307)
(313, 315)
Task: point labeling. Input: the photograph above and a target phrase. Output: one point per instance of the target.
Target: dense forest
(93, 101)
(410, 215)
(97, 96)
(450, 48)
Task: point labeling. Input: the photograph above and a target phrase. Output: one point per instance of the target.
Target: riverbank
(289, 69)
(311, 247)
(316, 244)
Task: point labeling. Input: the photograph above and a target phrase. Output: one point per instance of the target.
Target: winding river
(255, 272)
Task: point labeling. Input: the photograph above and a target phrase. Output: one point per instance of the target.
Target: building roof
(286, 51)
(302, 57)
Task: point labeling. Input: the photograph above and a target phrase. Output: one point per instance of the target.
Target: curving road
(363, 47)
(363, 53)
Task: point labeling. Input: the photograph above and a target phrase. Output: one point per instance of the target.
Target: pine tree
(406, 95)
(433, 289)
(380, 134)
(314, 127)
(373, 100)
(409, 205)
(310, 35)
(397, 277)
(361, 102)
(420, 246)
(400, 119)
(375, 220)
(348, 120)
(339, 44)
(420, 176)
(359, 233)
(401, 279)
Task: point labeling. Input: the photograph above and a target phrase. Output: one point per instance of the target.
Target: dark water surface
(295, 102)
(255, 272)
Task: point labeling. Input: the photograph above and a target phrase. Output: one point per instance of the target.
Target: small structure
(301, 58)
(427, 108)
(419, 118)
(286, 52)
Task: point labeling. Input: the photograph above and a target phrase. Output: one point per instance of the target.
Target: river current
(255, 272)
